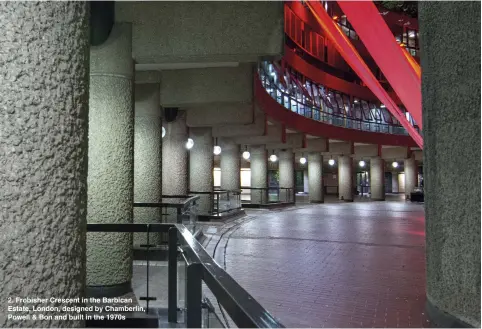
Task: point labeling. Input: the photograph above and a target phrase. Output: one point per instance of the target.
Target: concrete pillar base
(377, 199)
(115, 290)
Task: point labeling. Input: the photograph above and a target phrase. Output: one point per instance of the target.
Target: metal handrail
(289, 193)
(318, 114)
(216, 198)
(243, 309)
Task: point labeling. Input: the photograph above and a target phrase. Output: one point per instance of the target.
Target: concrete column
(147, 154)
(201, 166)
(394, 182)
(230, 165)
(259, 174)
(286, 175)
(411, 176)
(111, 163)
(451, 129)
(345, 177)
(377, 179)
(43, 157)
(315, 178)
(175, 160)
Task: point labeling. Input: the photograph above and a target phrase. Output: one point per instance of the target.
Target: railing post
(179, 217)
(194, 295)
(172, 276)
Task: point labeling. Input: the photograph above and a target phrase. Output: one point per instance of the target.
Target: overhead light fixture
(411, 34)
(189, 143)
(395, 164)
(217, 148)
(362, 163)
(331, 162)
(246, 153)
(273, 158)
(382, 106)
(303, 160)
(335, 17)
(163, 132)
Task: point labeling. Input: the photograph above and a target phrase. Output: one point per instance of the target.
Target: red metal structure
(352, 57)
(402, 73)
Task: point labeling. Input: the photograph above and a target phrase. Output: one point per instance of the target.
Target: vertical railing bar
(194, 295)
(147, 269)
(172, 276)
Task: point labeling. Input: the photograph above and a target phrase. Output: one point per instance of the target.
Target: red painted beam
(352, 57)
(402, 73)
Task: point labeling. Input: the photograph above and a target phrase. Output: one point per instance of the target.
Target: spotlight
(217, 150)
(395, 164)
(302, 160)
(362, 163)
(331, 162)
(273, 158)
(246, 155)
(163, 132)
(189, 143)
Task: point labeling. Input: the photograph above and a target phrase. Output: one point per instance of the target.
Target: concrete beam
(366, 150)
(293, 141)
(314, 145)
(389, 153)
(274, 134)
(344, 148)
(219, 114)
(173, 32)
(184, 88)
(257, 127)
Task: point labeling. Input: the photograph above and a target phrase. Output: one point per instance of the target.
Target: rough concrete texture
(451, 117)
(147, 157)
(223, 31)
(377, 179)
(411, 175)
(315, 177)
(394, 152)
(274, 134)
(207, 85)
(111, 158)
(175, 160)
(366, 150)
(340, 147)
(293, 141)
(201, 166)
(259, 173)
(286, 174)
(230, 165)
(345, 178)
(314, 145)
(43, 162)
(219, 114)
(255, 128)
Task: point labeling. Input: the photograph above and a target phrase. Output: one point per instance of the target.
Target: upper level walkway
(331, 265)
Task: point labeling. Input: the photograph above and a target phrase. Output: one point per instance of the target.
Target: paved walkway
(358, 264)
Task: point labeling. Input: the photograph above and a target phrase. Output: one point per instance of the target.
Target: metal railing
(321, 114)
(243, 309)
(183, 206)
(267, 195)
(221, 201)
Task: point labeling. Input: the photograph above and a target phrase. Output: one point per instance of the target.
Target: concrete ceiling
(180, 66)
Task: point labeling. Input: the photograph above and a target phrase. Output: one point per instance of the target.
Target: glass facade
(320, 103)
